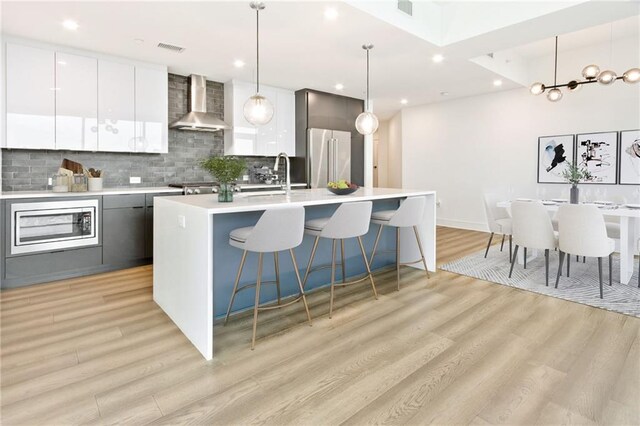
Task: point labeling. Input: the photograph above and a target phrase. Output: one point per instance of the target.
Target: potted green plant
(226, 170)
(574, 175)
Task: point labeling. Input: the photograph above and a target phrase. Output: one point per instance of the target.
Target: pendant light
(258, 110)
(367, 122)
(555, 94)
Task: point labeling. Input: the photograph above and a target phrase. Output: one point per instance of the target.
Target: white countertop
(299, 197)
(109, 191)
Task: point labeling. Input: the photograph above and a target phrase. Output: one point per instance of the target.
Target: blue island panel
(226, 259)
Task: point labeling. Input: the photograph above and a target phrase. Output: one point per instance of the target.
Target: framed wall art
(629, 164)
(598, 153)
(554, 154)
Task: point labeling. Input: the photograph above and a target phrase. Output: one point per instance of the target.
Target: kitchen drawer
(122, 201)
(34, 265)
(150, 197)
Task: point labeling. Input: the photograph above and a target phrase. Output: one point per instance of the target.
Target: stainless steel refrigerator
(329, 157)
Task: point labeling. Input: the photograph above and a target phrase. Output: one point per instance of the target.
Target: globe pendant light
(367, 122)
(258, 110)
(631, 76)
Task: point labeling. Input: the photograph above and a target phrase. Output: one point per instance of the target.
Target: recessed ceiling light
(437, 58)
(330, 14)
(138, 40)
(70, 24)
(62, 63)
(238, 63)
(444, 93)
(497, 83)
(404, 101)
(339, 86)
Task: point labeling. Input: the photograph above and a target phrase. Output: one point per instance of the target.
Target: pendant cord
(257, 51)
(555, 72)
(367, 106)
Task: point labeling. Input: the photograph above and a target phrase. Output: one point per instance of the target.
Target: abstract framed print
(629, 164)
(554, 154)
(598, 153)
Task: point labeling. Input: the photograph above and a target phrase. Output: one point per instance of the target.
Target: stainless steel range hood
(198, 118)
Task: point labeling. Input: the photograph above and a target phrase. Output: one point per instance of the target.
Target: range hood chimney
(198, 118)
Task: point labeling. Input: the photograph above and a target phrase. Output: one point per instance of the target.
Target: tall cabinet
(64, 99)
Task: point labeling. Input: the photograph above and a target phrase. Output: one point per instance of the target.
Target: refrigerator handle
(329, 160)
(335, 159)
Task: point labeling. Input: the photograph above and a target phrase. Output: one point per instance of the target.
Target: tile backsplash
(29, 170)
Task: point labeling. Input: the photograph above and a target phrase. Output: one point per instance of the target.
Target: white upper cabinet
(62, 98)
(286, 105)
(30, 103)
(116, 106)
(151, 109)
(76, 102)
(269, 140)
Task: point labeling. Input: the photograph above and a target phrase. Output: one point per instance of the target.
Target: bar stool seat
(350, 220)
(277, 230)
(239, 236)
(409, 214)
(382, 217)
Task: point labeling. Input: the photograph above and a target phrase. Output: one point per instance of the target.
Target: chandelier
(590, 73)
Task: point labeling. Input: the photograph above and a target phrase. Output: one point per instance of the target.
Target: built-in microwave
(53, 225)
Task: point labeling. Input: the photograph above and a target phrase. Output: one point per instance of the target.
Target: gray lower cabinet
(123, 229)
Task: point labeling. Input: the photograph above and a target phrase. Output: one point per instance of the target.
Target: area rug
(582, 286)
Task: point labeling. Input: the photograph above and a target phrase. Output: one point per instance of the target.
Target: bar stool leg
(398, 257)
(235, 286)
(276, 263)
(304, 297)
(333, 276)
(344, 279)
(257, 302)
(424, 261)
(366, 264)
(375, 245)
(313, 254)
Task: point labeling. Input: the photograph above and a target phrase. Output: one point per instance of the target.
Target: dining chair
(582, 231)
(532, 228)
(498, 220)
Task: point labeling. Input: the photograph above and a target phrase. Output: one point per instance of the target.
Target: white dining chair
(582, 231)
(532, 228)
(498, 220)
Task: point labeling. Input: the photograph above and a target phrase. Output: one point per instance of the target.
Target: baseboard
(461, 224)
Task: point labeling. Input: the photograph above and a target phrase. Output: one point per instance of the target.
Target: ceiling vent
(405, 6)
(171, 47)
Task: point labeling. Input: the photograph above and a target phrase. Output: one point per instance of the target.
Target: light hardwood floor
(449, 350)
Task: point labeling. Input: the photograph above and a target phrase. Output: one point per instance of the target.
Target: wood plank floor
(448, 350)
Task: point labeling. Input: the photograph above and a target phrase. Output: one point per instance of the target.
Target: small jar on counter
(60, 183)
(79, 183)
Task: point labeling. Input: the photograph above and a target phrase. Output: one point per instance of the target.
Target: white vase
(95, 184)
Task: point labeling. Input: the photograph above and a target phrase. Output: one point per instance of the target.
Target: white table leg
(628, 232)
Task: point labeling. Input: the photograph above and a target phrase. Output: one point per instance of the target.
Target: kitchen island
(195, 267)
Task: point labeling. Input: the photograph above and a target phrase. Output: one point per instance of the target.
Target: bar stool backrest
(582, 231)
(278, 229)
(409, 213)
(350, 220)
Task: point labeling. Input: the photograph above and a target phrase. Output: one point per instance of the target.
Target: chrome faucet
(288, 175)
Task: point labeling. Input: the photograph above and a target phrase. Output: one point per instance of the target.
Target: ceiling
(299, 47)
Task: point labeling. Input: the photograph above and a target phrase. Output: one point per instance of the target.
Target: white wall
(464, 147)
(394, 152)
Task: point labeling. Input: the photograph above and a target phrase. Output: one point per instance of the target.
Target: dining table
(629, 230)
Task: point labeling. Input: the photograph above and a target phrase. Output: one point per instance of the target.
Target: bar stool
(350, 220)
(409, 214)
(277, 230)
